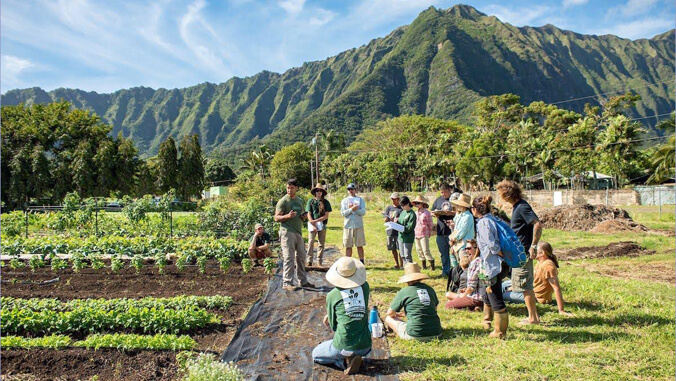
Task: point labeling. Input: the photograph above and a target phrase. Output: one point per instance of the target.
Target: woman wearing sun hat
(419, 302)
(318, 209)
(423, 231)
(347, 316)
(463, 225)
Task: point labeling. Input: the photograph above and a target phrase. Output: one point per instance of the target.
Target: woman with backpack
(490, 276)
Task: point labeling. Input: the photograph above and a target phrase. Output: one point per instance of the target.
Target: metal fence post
(171, 222)
(606, 195)
(96, 220)
(659, 195)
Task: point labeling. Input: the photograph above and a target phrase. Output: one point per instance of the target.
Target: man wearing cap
(318, 209)
(419, 302)
(289, 212)
(353, 208)
(260, 245)
(443, 228)
(391, 214)
(347, 316)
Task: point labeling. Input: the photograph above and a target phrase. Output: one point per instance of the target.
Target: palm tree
(663, 162)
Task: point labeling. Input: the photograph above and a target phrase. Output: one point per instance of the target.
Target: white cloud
(572, 3)
(11, 69)
(373, 13)
(321, 17)
(293, 7)
(633, 8)
(528, 15)
(641, 28)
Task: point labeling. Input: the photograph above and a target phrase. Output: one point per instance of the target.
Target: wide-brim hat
(318, 187)
(346, 272)
(463, 200)
(394, 195)
(412, 273)
(421, 200)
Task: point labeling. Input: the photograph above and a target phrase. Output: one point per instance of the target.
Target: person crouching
(346, 316)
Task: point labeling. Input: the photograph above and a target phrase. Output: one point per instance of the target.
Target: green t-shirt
(284, 206)
(351, 327)
(407, 218)
(313, 208)
(419, 301)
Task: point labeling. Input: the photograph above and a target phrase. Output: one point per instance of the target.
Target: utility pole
(317, 157)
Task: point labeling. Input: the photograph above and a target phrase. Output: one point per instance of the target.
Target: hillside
(438, 66)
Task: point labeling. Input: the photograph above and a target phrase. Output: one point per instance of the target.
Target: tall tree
(191, 167)
(167, 166)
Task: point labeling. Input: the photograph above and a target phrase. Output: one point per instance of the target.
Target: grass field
(622, 328)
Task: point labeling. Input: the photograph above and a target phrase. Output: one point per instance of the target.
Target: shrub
(206, 367)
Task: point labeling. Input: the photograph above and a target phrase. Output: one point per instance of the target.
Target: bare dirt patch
(619, 226)
(612, 250)
(82, 364)
(654, 271)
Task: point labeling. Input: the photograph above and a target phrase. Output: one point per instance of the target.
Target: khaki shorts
(354, 237)
(401, 332)
(522, 277)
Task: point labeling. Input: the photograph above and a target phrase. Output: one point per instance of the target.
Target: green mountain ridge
(439, 65)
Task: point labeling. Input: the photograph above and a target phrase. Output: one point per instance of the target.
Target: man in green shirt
(289, 212)
(419, 302)
(407, 219)
(347, 316)
(318, 208)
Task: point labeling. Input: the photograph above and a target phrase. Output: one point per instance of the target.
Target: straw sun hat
(421, 200)
(318, 187)
(346, 272)
(463, 200)
(411, 273)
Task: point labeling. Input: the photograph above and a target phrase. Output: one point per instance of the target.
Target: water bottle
(373, 317)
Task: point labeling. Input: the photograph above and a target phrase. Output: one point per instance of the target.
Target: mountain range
(439, 65)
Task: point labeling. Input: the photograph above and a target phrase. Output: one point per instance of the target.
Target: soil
(619, 226)
(82, 364)
(581, 217)
(75, 363)
(655, 271)
(615, 249)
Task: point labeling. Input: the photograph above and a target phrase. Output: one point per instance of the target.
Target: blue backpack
(513, 252)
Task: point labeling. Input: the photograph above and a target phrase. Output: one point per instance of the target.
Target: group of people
(469, 245)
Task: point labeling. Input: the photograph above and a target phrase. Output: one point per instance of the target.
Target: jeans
(444, 248)
(511, 296)
(406, 252)
(326, 354)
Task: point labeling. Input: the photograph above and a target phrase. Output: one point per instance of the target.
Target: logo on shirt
(353, 300)
(424, 297)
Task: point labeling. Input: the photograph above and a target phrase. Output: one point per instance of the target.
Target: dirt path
(276, 339)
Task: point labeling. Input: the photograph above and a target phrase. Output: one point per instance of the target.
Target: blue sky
(103, 46)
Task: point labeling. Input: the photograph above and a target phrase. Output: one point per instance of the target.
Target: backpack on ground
(513, 252)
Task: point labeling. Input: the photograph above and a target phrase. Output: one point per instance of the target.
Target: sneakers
(308, 285)
(289, 287)
(353, 364)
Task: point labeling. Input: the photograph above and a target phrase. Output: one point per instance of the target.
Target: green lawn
(622, 329)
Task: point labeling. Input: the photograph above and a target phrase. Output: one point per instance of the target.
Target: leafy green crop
(179, 302)
(269, 265)
(123, 342)
(53, 341)
(247, 264)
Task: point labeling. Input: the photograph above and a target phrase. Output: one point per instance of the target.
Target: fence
(656, 195)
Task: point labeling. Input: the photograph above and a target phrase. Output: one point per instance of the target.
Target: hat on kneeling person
(412, 273)
(347, 272)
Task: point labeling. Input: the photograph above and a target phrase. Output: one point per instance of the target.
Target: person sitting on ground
(469, 296)
(318, 209)
(347, 316)
(424, 227)
(490, 275)
(408, 220)
(545, 282)
(260, 245)
(463, 226)
(419, 302)
(391, 214)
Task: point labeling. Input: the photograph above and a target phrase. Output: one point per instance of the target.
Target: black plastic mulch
(275, 340)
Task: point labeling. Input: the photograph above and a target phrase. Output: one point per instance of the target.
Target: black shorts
(392, 242)
(495, 299)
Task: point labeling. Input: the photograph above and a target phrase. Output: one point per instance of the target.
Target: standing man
(391, 214)
(528, 228)
(443, 229)
(260, 245)
(353, 208)
(318, 208)
(289, 212)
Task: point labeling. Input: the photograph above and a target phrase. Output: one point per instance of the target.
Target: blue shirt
(489, 246)
(353, 219)
(464, 228)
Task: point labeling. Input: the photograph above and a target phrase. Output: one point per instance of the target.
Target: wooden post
(316, 158)
(25, 212)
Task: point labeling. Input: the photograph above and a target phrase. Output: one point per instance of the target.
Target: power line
(610, 92)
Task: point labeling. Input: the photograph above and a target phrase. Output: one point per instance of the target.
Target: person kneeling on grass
(260, 245)
(347, 316)
(545, 282)
(471, 295)
(419, 302)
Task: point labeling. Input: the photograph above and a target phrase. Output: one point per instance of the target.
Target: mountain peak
(465, 11)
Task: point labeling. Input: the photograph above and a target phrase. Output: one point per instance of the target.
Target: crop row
(179, 302)
(130, 246)
(125, 342)
(92, 320)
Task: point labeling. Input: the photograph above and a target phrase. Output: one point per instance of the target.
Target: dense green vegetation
(123, 342)
(437, 66)
(177, 302)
